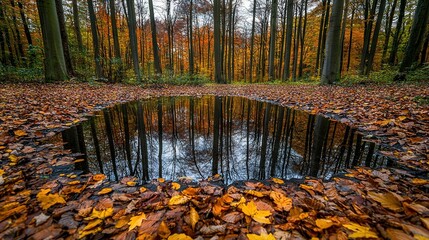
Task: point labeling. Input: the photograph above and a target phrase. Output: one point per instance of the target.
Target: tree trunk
(25, 23)
(64, 37)
(417, 36)
(273, 31)
(157, 62)
(95, 44)
(217, 43)
(395, 42)
(55, 66)
(132, 24)
(76, 25)
(331, 66)
(289, 25)
(388, 30)
(191, 40)
(371, 55)
(252, 42)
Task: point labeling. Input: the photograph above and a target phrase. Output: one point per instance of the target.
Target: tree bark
(55, 66)
(64, 37)
(289, 24)
(273, 31)
(395, 42)
(331, 66)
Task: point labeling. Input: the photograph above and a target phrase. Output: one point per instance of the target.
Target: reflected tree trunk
(267, 117)
(127, 137)
(217, 122)
(109, 132)
(143, 142)
(276, 147)
(96, 144)
(321, 129)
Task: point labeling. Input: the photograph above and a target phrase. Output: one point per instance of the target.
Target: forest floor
(38, 203)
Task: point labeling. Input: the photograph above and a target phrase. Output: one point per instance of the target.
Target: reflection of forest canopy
(235, 137)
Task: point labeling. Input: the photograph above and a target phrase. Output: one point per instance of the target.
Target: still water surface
(198, 137)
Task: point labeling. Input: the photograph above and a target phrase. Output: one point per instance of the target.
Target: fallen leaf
(131, 183)
(387, 200)
(105, 191)
(251, 210)
(194, 217)
(47, 200)
(360, 231)
(40, 219)
(260, 237)
(163, 230)
(278, 180)
(175, 186)
(83, 234)
(254, 193)
(283, 203)
(19, 133)
(324, 223)
(180, 236)
(92, 224)
(178, 200)
(136, 221)
(100, 214)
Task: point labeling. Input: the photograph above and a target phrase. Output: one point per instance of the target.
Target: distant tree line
(226, 40)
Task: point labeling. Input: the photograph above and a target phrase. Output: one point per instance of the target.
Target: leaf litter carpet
(39, 203)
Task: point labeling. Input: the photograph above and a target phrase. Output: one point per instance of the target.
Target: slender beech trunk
(331, 66)
(76, 25)
(157, 61)
(289, 25)
(25, 23)
(95, 42)
(388, 30)
(64, 37)
(252, 42)
(132, 24)
(217, 45)
(371, 55)
(396, 37)
(273, 31)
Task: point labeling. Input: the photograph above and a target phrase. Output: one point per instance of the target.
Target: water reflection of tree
(199, 137)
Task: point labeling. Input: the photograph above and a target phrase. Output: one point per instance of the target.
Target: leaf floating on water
(105, 191)
(47, 200)
(180, 236)
(136, 221)
(161, 180)
(251, 210)
(98, 177)
(178, 200)
(142, 189)
(194, 217)
(360, 231)
(387, 200)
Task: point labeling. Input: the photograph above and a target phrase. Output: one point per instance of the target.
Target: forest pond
(198, 137)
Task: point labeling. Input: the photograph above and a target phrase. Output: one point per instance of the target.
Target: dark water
(198, 137)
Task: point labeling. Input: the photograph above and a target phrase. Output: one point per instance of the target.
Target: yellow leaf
(131, 183)
(360, 231)
(239, 203)
(175, 186)
(98, 177)
(387, 200)
(425, 222)
(83, 234)
(73, 176)
(180, 236)
(419, 181)
(142, 189)
(161, 180)
(92, 224)
(324, 223)
(1, 172)
(73, 182)
(178, 200)
(283, 202)
(47, 200)
(100, 214)
(20, 133)
(194, 217)
(105, 191)
(251, 210)
(278, 180)
(163, 230)
(122, 222)
(260, 237)
(254, 193)
(13, 158)
(136, 221)
(420, 237)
